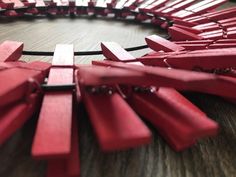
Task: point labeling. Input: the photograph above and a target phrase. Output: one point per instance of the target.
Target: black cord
(82, 53)
(85, 53)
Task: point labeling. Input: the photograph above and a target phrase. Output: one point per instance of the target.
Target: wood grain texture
(214, 157)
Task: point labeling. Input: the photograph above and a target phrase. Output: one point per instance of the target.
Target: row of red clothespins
(164, 8)
(121, 87)
(115, 91)
(192, 19)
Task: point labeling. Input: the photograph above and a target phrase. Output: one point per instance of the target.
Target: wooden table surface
(213, 157)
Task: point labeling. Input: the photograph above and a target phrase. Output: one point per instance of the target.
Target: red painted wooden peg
(43, 67)
(187, 28)
(168, 5)
(53, 134)
(158, 43)
(17, 3)
(209, 6)
(40, 3)
(142, 4)
(153, 6)
(10, 51)
(81, 6)
(162, 77)
(192, 60)
(101, 4)
(16, 82)
(206, 6)
(14, 116)
(153, 107)
(131, 4)
(100, 7)
(73, 161)
(177, 7)
(189, 10)
(20, 95)
(215, 16)
(70, 166)
(179, 34)
(120, 4)
(112, 52)
(114, 122)
(183, 22)
(177, 123)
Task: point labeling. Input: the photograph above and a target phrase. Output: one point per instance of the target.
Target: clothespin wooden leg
(53, 133)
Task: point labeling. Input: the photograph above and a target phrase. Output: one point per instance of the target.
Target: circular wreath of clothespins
(121, 87)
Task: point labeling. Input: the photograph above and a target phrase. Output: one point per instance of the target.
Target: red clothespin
(18, 99)
(40, 3)
(131, 4)
(30, 4)
(201, 8)
(189, 10)
(144, 4)
(128, 6)
(101, 7)
(204, 6)
(153, 106)
(214, 16)
(119, 9)
(81, 6)
(40, 6)
(8, 5)
(177, 21)
(115, 123)
(179, 34)
(69, 167)
(53, 134)
(157, 43)
(180, 135)
(187, 28)
(14, 89)
(153, 6)
(10, 51)
(119, 5)
(51, 8)
(62, 6)
(209, 6)
(207, 60)
(22, 7)
(195, 45)
(179, 79)
(177, 7)
(168, 5)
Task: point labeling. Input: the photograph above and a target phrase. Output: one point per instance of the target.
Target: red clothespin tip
(10, 51)
(184, 22)
(157, 43)
(179, 34)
